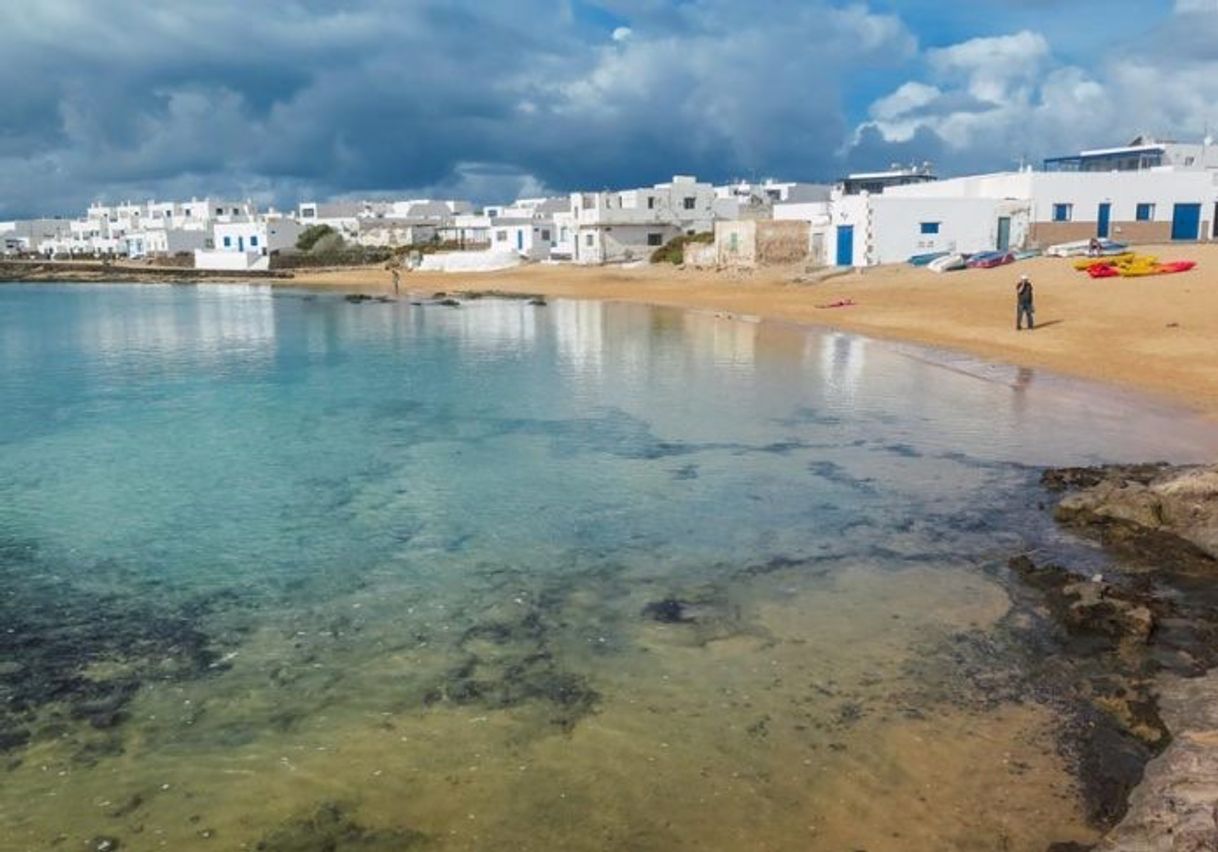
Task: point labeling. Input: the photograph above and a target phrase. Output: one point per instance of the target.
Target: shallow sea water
(280, 571)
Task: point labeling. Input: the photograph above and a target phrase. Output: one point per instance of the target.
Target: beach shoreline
(1149, 335)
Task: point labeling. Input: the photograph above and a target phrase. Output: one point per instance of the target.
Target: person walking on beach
(1024, 304)
(397, 276)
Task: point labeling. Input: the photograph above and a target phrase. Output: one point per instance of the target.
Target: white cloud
(989, 101)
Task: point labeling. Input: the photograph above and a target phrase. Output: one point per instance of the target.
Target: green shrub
(674, 250)
(310, 235)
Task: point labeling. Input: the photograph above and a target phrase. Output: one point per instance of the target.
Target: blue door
(1186, 222)
(1104, 218)
(240, 243)
(845, 245)
(519, 240)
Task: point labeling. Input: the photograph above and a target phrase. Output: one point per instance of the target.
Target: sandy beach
(1157, 335)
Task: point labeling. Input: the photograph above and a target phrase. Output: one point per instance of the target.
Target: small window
(930, 227)
(236, 211)
(1063, 212)
(228, 242)
(588, 240)
(545, 235)
(501, 236)
(689, 203)
(1145, 213)
(655, 239)
(254, 241)
(651, 202)
(219, 211)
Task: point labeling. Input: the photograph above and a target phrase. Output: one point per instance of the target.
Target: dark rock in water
(357, 298)
(59, 631)
(128, 807)
(1165, 515)
(105, 709)
(13, 738)
(667, 611)
(538, 302)
(449, 303)
(331, 828)
(1062, 479)
(1090, 606)
(1110, 763)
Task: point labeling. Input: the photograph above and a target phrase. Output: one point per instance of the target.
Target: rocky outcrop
(1175, 809)
(1144, 507)
(1160, 617)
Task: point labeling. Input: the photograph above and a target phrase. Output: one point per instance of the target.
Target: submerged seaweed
(59, 638)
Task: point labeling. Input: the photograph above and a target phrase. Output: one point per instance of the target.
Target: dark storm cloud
(283, 100)
(289, 99)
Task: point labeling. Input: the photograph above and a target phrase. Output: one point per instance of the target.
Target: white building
(614, 227)
(532, 239)
(249, 244)
(1144, 152)
(1024, 209)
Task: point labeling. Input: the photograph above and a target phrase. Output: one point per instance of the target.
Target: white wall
(262, 236)
(234, 261)
(621, 243)
(1164, 188)
(532, 239)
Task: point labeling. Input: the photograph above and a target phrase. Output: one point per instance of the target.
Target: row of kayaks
(952, 261)
(1131, 265)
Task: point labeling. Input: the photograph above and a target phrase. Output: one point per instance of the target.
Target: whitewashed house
(248, 245)
(1141, 193)
(342, 216)
(532, 239)
(616, 227)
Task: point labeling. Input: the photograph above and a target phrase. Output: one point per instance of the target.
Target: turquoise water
(280, 569)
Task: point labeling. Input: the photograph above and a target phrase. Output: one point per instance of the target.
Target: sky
(281, 101)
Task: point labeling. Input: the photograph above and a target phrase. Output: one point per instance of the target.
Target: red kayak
(1103, 270)
(1177, 266)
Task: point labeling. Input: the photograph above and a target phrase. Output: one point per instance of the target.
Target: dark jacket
(1023, 291)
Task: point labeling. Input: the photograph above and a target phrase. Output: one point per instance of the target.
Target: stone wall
(751, 243)
(782, 242)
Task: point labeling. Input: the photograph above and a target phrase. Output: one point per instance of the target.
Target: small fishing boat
(990, 259)
(925, 259)
(1081, 248)
(948, 263)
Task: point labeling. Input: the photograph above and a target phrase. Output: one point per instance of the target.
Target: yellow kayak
(1113, 260)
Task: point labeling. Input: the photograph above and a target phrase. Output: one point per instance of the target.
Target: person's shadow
(1047, 324)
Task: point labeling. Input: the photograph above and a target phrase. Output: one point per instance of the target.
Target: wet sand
(1155, 335)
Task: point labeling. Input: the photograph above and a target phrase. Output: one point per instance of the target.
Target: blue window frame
(1063, 212)
(930, 227)
(253, 241)
(1145, 212)
(228, 242)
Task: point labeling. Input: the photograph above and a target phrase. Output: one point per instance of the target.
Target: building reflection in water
(842, 360)
(204, 323)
